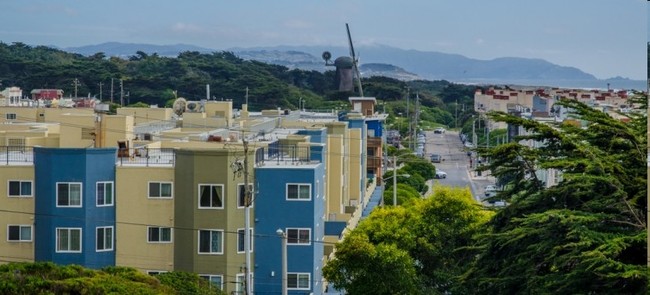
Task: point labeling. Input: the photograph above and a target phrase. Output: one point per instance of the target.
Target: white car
(491, 191)
(439, 130)
(440, 174)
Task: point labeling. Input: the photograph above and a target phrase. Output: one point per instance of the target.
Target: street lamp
(394, 177)
(283, 236)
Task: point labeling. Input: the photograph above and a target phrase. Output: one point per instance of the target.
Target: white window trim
(112, 194)
(252, 195)
(56, 240)
(31, 229)
(20, 181)
(171, 235)
(81, 195)
(299, 229)
(211, 276)
(171, 184)
(298, 280)
(198, 239)
(223, 198)
(299, 185)
(112, 239)
(251, 242)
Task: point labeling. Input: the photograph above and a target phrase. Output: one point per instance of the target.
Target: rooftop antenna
(355, 60)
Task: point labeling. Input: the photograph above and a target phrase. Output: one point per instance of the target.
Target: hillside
(425, 65)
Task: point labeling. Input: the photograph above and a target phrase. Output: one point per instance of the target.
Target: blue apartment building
(75, 206)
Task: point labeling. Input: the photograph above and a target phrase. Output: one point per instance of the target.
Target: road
(455, 162)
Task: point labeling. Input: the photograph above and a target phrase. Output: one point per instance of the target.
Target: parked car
(440, 174)
(436, 158)
(491, 191)
(439, 130)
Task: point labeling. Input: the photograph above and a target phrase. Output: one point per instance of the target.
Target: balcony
(148, 157)
(16, 155)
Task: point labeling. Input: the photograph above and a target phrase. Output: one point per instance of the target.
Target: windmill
(347, 67)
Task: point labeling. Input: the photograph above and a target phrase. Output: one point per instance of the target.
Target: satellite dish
(179, 106)
(327, 56)
(191, 106)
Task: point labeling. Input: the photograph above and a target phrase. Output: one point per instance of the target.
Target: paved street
(455, 162)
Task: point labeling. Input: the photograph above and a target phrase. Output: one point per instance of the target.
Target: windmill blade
(355, 60)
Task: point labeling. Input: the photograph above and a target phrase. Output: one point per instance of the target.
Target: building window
(210, 196)
(11, 116)
(299, 281)
(68, 194)
(159, 235)
(19, 233)
(105, 194)
(215, 280)
(160, 189)
(104, 238)
(241, 238)
(20, 188)
(155, 272)
(239, 283)
(299, 236)
(299, 192)
(241, 195)
(68, 240)
(210, 241)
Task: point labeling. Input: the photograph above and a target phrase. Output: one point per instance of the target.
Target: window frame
(209, 277)
(112, 238)
(211, 230)
(20, 187)
(160, 184)
(211, 185)
(112, 183)
(240, 200)
(298, 274)
(299, 185)
(20, 238)
(240, 240)
(155, 272)
(81, 196)
(10, 116)
(68, 229)
(298, 229)
(160, 241)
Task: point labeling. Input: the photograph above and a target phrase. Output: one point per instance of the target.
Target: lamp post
(283, 236)
(394, 177)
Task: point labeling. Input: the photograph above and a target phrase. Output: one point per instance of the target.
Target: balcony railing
(283, 154)
(146, 157)
(16, 155)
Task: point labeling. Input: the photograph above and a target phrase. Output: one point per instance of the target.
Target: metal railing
(284, 154)
(146, 157)
(16, 155)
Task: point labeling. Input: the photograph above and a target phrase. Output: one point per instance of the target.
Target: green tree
(418, 248)
(585, 235)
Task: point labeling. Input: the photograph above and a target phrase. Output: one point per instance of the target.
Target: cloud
(180, 27)
(479, 41)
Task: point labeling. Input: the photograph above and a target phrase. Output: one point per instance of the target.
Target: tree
(48, 278)
(587, 234)
(417, 248)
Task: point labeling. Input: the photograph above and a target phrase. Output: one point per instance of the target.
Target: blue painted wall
(317, 135)
(88, 166)
(377, 126)
(273, 211)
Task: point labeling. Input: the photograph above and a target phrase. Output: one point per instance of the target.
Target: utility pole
(408, 118)
(247, 214)
(246, 97)
(111, 90)
(456, 121)
(394, 181)
(100, 90)
(75, 83)
(121, 92)
(417, 114)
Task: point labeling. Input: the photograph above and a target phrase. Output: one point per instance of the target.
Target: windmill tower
(347, 67)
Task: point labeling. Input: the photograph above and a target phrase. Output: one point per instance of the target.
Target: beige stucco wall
(354, 159)
(146, 115)
(134, 211)
(335, 174)
(16, 211)
(115, 128)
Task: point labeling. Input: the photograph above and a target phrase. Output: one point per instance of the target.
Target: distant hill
(407, 64)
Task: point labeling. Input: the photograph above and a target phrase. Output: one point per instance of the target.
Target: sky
(606, 38)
